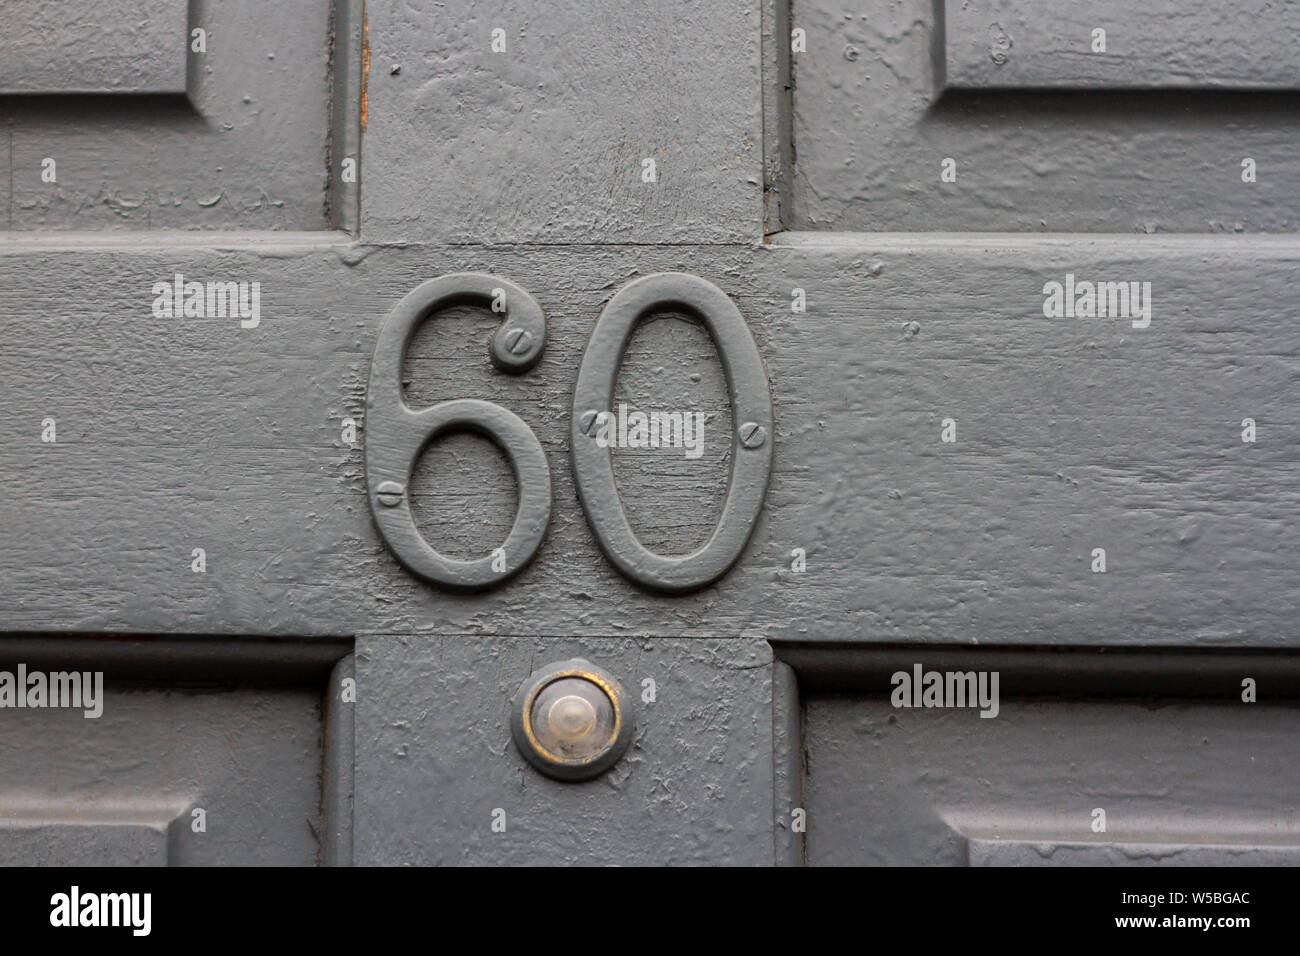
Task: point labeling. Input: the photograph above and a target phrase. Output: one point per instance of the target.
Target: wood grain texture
(1072, 435)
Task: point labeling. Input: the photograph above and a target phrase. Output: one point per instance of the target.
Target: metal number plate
(396, 433)
(751, 407)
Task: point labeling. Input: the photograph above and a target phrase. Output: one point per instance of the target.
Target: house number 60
(395, 433)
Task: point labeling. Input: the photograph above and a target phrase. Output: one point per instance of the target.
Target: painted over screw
(389, 494)
(518, 341)
(587, 423)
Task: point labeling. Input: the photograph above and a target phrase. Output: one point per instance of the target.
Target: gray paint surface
(996, 44)
(244, 148)
(553, 131)
(1024, 853)
(62, 836)
(108, 46)
(250, 758)
(252, 732)
(1072, 435)
(435, 759)
(1192, 782)
(874, 118)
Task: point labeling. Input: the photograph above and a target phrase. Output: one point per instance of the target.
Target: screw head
(752, 435)
(587, 423)
(518, 341)
(389, 493)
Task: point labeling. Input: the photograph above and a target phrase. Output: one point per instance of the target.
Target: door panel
(1180, 783)
(695, 786)
(554, 118)
(956, 462)
(1001, 44)
(151, 132)
(1072, 435)
(119, 47)
(1076, 758)
(1042, 134)
(192, 752)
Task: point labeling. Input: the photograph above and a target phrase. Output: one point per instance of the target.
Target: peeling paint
(365, 68)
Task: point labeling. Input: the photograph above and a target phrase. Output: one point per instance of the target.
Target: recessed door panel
(174, 115)
(1069, 778)
(110, 46)
(997, 115)
(170, 752)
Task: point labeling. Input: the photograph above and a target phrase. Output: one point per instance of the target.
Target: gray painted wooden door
(983, 364)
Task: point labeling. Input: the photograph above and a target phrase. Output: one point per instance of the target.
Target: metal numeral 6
(395, 433)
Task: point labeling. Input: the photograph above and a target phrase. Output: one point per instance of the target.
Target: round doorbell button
(571, 720)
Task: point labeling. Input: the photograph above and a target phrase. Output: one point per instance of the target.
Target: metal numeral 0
(751, 409)
(396, 434)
